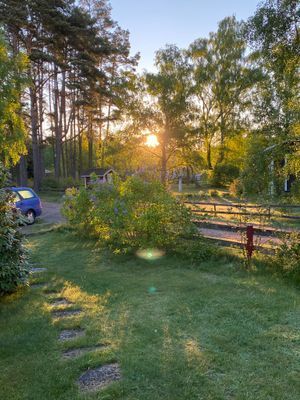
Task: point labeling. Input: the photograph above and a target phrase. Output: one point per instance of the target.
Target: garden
(176, 330)
(149, 213)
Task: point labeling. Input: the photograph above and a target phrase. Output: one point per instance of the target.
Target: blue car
(28, 202)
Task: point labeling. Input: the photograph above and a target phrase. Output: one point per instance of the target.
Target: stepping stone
(61, 301)
(49, 292)
(38, 285)
(69, 334)
(74, 353)
(37, 270)
(65, 313)
(99, 378)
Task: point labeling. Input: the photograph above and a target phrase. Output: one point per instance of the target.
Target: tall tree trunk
(90, 142)
(208, 154)
(22, 175)
(79, 155)
(222, 141)
(41, 117)
(164, 159)
(34, 135)
(57, 125)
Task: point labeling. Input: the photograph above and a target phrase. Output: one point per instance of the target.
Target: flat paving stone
(69, 334)
(74, 353)
(37, 270)
(61, 301)
(50, 292)
(38, 285)
(99, 378)
(65, 313)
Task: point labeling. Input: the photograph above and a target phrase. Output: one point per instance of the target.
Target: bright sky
(154, 23)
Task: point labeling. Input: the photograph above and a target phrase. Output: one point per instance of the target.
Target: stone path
(99, 378)
(93, 379)
(35, 270)
(69, 334)
(77, 352)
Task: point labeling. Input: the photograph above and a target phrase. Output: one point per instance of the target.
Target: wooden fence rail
(266, 210)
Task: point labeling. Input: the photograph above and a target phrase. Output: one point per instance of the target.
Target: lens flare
(150, 254)
(152, 141)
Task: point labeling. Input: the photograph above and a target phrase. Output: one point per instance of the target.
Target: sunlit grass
(178, 332)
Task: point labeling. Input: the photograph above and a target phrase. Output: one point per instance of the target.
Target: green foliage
(295, 191)
(12, 129)
(224, 174)
(287, 258)
(129, 215)
(51, 183)
(255, 177)
(236, 188)
(13, 256)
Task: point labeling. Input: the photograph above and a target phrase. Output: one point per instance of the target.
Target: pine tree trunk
(90, 143)
(22, 175)
(34, 135)
(58, 136)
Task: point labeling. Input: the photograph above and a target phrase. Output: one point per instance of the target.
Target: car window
(26, 194)
(16, 197)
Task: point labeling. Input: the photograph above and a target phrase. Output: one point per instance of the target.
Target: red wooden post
(250, 244)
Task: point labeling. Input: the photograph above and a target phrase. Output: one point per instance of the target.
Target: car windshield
(25, 194)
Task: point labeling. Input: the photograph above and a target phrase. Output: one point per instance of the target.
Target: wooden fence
(242, 209)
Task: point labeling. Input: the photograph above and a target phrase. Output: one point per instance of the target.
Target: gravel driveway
(50, 216)
(51, 213)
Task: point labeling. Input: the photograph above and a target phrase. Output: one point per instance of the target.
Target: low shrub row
(132, 214)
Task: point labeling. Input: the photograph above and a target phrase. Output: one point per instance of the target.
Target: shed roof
(97, 171)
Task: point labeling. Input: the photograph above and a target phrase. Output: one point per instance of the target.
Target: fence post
(250, 243)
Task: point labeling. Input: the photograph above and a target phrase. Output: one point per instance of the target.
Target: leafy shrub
(223, 174)
(236, 188)
(213, 193)
(255, 175)
(287, 258)
(129, 215)
(51, 183)
(13, 256)
(295, 191)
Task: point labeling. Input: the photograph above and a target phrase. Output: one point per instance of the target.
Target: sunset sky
(154, 23)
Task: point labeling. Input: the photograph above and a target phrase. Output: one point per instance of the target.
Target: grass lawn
(206, 332)
(52, 196)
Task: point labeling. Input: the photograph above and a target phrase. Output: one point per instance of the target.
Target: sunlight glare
(152, 141)
(150, 254)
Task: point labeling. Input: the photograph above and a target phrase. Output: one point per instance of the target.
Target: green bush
(223, 174)
(287, 258)
(236, 188)
(13, 256)
(51, 183)
(130, 215)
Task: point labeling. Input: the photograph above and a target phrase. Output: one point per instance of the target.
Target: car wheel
(30, 217)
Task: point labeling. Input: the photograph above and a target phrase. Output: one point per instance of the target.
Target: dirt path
(51, 215)
(235, 237)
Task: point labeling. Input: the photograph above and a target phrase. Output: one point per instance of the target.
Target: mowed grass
(211, 331)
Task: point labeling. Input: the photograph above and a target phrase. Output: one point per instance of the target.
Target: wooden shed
(104, 175)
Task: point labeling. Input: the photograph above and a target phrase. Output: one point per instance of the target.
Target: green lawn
(206, 332)
(52, 196)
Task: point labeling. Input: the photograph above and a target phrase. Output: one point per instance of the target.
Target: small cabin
(104, 175)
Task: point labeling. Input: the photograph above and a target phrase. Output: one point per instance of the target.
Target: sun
(152, 141)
